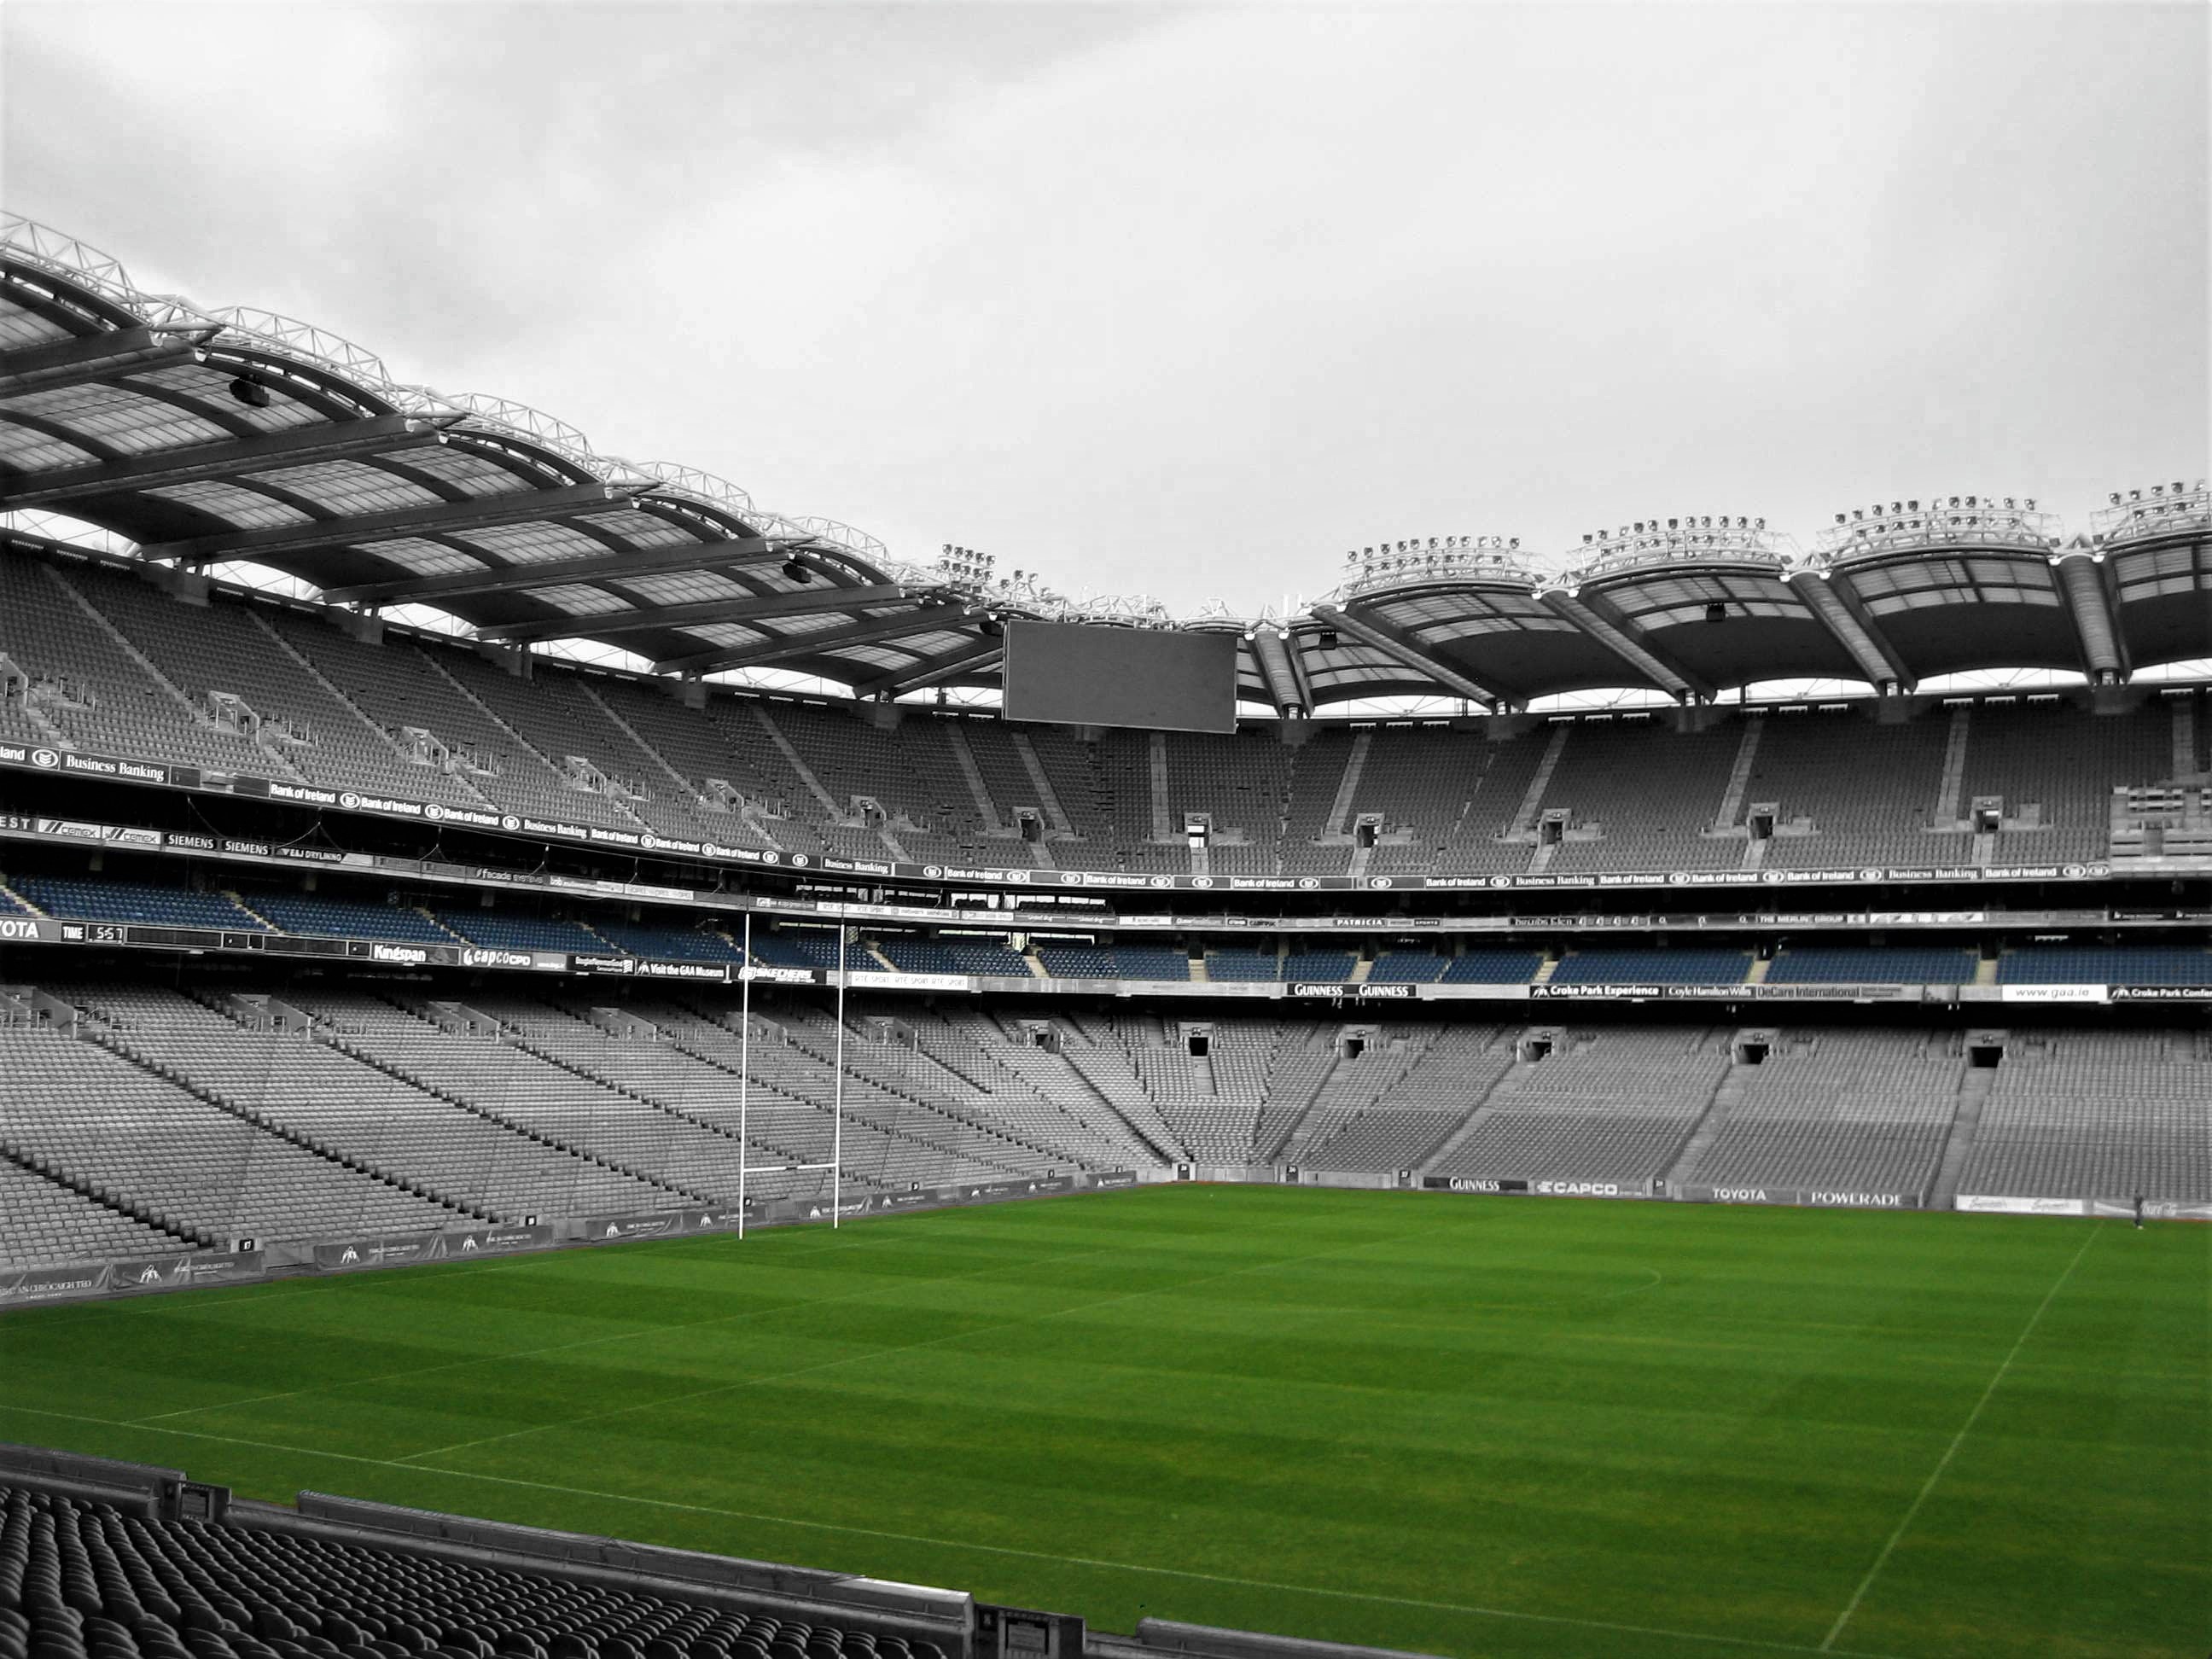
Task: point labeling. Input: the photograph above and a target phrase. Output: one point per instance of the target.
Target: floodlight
(796, 572)
(251, 392)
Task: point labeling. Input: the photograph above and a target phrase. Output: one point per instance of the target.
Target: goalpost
(837, 1164)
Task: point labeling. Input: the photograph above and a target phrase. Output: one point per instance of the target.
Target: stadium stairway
(459, 777)
(1271, 1147)
(369, 1058)
(797, 764)
(691, 1048)
(1973, 1095)
(36, 718)
(552, 1056)
(855, 1109)
(1049, 802)
(240, 901)
(145, 664)
(33, 1165)
(1468, 1125)
(956, 739)
(1710, 1122)
(118, 1043)
(1156, 1139)
(936, 1107)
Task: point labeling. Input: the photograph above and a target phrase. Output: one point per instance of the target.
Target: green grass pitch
(1472, 1426)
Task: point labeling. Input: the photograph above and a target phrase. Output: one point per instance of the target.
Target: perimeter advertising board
(77, 763)
(1516, 1185)
(1817, 1198)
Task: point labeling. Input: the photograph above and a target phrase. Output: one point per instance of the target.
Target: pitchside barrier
(2153, 1209)
(1513, 1187)
(252, 1261)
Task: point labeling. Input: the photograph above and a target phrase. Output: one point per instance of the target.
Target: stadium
(589, 1070)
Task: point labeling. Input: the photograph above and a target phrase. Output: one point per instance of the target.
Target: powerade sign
(1818, 1198)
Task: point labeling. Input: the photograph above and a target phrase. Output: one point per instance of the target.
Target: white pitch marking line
(1957, 1441)
(907, 1347)
(1753, 1643)
(648, 1330)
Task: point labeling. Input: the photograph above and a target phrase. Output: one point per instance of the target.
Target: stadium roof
(237, 439)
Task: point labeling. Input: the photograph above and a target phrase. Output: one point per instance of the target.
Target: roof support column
(1604, 623)
(2081, 579)
(1854, 630)
(1404, 647)
(1285, 688)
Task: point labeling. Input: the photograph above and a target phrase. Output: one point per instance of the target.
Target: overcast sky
(1192, 301)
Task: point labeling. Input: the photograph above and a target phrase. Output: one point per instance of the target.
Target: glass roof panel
(729, 633)
(246, 509)
(34, 452)
(638, 529)
(532, 543)
(425, 557)
(21, 327)
(117, 417)
(347, 487)
(682, 587)
(464, 469)
(206, 384)
(580, 599)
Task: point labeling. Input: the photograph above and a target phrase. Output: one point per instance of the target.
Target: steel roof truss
(804, 602)
(367, 528)
(823, 642)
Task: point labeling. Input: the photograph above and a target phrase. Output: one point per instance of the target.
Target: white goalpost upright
(745, 1078)
(838, 1090)
(745, 1062)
